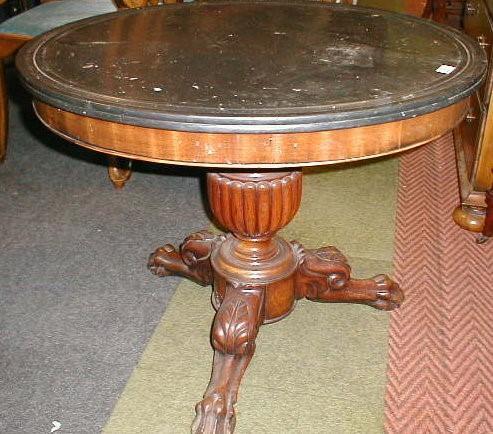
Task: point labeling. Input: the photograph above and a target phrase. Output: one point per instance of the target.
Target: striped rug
(440, 373)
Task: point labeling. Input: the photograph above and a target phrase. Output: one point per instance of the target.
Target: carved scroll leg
(233, 337)
(191, 261)
(119, 171)
(324, 275)
(380, 292)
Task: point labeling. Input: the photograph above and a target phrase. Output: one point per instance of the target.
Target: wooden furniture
(435, 9)
(15, 32)
(438, 10)
(488, 222)
(474, 137)
(412, 7)
(264, 89)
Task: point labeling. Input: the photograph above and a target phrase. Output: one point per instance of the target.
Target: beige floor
(321, 370)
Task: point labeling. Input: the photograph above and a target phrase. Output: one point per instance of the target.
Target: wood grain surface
(250, 150)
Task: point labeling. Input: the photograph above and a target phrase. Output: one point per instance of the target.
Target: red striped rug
(440, 374)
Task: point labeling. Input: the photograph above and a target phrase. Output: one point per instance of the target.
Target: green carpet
(321, 370)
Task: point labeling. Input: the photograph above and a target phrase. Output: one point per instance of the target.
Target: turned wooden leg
(4, 113)
(488, 221)
(477, 219)
(119, 170)
(233, 337)
(469, 218)
(324, 275)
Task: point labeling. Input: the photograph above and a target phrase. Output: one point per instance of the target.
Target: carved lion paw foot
(191, 260)
(214, 416)
(160, 260)
(387, 293)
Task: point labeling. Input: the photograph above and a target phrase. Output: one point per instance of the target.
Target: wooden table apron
(241, 151)
(255, 91)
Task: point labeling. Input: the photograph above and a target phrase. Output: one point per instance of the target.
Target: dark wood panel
(477, 24)
(467, 134)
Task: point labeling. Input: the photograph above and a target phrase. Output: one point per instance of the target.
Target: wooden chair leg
(487, 232)
(439, 11)
(4, 113)
(119, 171)
(488, 222)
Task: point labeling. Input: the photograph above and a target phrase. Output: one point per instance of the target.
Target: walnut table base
(257, 277)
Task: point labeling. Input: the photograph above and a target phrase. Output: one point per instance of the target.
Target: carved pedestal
(257, 277)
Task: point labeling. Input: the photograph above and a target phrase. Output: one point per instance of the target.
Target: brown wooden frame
(474, 137)
(279, 150)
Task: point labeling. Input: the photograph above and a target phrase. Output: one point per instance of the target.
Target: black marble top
(252, 66)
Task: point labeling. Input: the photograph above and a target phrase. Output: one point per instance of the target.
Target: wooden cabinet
(474, 137)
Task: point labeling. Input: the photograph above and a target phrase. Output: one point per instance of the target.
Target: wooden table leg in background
(4, 113)
(9, 44)
(119, 170)
(439, 10)
(488, 221)
(257, 277)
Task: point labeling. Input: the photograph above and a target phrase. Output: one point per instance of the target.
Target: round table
(254, 91)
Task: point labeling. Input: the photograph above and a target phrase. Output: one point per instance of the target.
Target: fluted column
(253, 207)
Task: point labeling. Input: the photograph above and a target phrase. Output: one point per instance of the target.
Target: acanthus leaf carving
(238, 320)
(233, 337)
